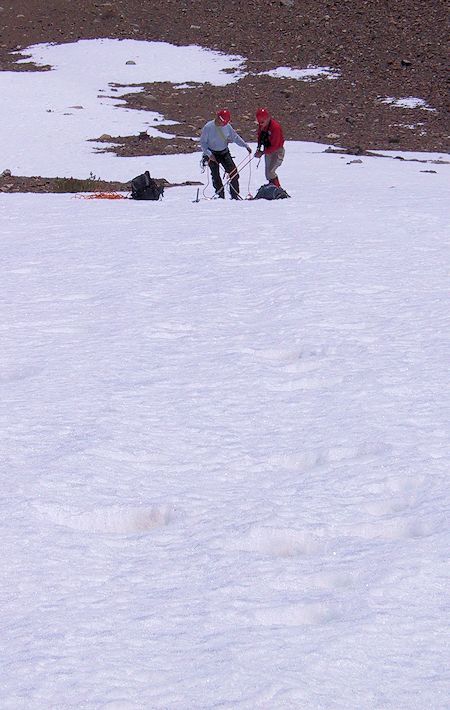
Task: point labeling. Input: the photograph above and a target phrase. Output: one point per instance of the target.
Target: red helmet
(262, 115)
(224, 115)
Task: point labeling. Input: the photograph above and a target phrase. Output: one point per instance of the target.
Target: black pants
(224, 158)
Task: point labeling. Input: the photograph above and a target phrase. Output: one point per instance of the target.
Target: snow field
(224, 433)
(223, 427)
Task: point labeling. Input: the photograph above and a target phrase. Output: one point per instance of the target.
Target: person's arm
(234, 137)
(263, 140)
(204, 141)
(261, 143)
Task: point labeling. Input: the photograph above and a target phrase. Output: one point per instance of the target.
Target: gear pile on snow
(144, 187)
(271, 192)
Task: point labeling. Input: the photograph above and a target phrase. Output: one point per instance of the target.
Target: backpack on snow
(271, 192)
(144, 187)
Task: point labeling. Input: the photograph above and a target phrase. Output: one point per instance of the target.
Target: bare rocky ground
(382, 48)
(37, 183)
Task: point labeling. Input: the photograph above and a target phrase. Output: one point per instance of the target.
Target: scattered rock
(131, 61)
(6, 173)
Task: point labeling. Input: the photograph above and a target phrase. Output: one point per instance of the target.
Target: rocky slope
(381, 48)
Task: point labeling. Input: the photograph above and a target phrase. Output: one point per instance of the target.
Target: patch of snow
(104, 61)
(309, 74)
(407, 102)
(51, 136)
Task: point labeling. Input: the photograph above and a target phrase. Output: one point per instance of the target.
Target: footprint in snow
(295, 614)
(304, 383)
(117, 520)
(14, 373)
(290, 356)
(391, 529)
(334, 455)
(279, 542)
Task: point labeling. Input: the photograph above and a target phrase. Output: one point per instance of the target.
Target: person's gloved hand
(258, 154)
(212, 159)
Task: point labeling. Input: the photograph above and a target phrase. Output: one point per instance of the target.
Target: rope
(102, 196)
(230, 186)
(227, 183)
(203, 165)
(206, 187)
(241, 166)
(249, 194)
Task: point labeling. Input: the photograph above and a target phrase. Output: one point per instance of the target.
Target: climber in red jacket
(270, 144)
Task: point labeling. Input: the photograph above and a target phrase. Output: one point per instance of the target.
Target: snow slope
(224, 436)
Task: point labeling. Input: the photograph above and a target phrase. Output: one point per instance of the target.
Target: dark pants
(224, 158)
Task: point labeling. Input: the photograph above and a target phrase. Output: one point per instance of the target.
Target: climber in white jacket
(214, 140)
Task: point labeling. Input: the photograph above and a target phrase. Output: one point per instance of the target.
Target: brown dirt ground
(37, 183)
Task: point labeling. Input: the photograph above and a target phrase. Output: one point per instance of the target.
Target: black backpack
(271, 192)
(143, 187)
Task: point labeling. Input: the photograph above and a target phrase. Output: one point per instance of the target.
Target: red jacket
(272, 138)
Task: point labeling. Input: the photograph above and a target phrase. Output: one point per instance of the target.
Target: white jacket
(217, 138)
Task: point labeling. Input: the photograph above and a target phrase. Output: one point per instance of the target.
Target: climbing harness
(227, 183)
